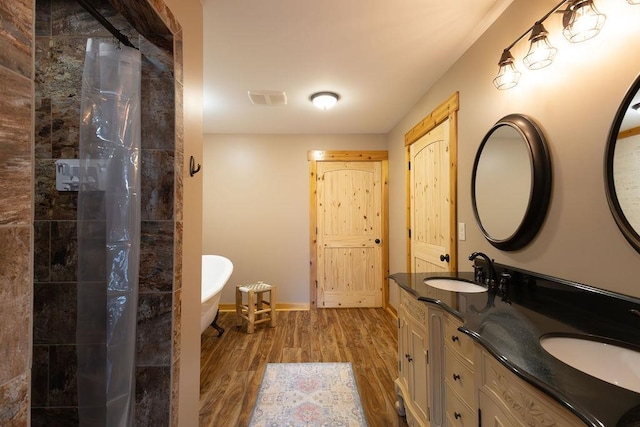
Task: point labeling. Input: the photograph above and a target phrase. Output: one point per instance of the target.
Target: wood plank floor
(232, 366)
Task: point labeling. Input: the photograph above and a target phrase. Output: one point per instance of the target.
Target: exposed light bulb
(582, 21)
(541, 53)
(508, 75)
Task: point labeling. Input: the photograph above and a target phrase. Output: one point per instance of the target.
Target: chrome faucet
(491, 274)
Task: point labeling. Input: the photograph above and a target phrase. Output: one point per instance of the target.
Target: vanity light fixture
(541, 53)
(324, 100)
(508, 75)
(580, 20)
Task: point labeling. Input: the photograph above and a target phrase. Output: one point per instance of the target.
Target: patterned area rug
(308, 394)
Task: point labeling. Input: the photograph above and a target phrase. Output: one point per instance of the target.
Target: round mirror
(622, 166)
(511, 182)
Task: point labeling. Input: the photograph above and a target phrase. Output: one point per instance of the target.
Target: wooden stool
(254, 311)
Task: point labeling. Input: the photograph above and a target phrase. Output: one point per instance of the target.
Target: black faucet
(491, 274)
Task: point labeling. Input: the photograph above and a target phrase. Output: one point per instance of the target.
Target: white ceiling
(381, 56)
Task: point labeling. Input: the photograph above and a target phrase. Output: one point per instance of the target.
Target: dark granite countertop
(509, 326)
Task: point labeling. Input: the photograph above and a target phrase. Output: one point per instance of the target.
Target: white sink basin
(454, 285)
(616, 365)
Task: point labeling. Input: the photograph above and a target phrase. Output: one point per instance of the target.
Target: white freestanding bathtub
(216, 271)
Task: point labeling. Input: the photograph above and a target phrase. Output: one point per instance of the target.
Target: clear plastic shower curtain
(108, 234)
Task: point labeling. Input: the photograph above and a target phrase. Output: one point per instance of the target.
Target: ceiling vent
(267, 97)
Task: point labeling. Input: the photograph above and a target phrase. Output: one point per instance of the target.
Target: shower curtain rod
(106, 24)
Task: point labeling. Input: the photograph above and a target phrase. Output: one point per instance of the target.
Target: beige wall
(256, 186)
(574, 100)
(189, 14)
(256, 206)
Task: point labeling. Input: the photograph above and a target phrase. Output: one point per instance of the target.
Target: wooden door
(350, 233)
(431, 196)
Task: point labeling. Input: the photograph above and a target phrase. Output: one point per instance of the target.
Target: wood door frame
(447, 110)
(315, 156)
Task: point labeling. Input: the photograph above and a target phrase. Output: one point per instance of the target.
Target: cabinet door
(491, 415)
(418, 377)
(403, 348)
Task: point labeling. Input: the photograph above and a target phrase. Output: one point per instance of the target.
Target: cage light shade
(508, 75)
(541, 53)
(582, 21)
(324, 100)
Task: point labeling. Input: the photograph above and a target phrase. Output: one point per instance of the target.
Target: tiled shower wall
(62, 28)
(16, 193)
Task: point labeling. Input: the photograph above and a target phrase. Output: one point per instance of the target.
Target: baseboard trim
(279, 307)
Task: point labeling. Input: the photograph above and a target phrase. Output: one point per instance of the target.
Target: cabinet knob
(454, 338)
(456, 377)
(444, 258)
(457, 415)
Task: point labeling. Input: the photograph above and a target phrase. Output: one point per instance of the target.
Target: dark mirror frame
(540, 182)
(612, 198)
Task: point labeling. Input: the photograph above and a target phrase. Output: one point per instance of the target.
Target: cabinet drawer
(459, 377)
(525, 403)
(457, 412)
(458, 341)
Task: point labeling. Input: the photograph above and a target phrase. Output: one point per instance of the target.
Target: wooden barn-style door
(431, 148)
(348, 233)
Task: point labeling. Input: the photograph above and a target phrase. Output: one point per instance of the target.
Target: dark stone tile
(54, 313)
(92, 316)
(63, 390)
(42, 128)
(69, 18)
(177, 255)
(92, 252)
(41, 251)
(54, 417)
(158, 114)
(177, 325)
(15, 302)
(157, 63)
(64, 251)
(153, 396)
(157, 185)
(16, 39)
(154, 336)
(14, 396)
(43, 17)
(92, 379)
(49, 202)
(40, 376)
(177, 57)
(16, 126)
(59, 62)
(65, 128)
(156, 256)
(175, 391)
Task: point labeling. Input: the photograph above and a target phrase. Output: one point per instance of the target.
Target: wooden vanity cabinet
(445, 378)
(507, 400)
(460, 353)
(412, 385)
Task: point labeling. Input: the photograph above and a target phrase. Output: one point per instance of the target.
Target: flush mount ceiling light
(324, 100)
(580, 21)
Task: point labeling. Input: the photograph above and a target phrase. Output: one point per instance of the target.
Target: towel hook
(192, 166)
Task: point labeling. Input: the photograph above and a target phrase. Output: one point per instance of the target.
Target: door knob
(444, 257)
(377, 241)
